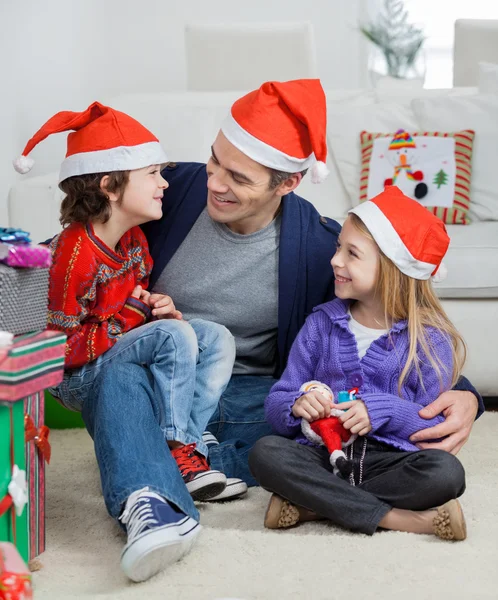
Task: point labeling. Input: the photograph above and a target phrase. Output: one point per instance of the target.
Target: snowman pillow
(433, 168)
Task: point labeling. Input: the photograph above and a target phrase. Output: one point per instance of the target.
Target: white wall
(63, 54)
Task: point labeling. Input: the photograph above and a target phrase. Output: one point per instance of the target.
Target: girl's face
(142, 197)
(356, 265)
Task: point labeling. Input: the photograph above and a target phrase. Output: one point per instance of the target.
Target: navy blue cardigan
(307, 243)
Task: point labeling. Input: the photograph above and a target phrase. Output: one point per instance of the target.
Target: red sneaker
(202, 482)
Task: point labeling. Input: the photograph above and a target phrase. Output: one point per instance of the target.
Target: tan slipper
(449, 524)
(281, 513)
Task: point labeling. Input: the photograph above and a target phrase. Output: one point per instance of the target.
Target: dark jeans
(391, 479)
(239, 421)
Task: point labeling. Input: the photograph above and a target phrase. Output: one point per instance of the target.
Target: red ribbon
(39, 435)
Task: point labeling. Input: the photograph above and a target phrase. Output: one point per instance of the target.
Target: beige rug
(236, 558)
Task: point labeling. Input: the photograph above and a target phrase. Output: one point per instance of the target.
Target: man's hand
(459, 409)
(163, 307)
(356, 419)
(312, 406)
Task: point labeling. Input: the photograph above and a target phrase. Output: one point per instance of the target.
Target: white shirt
(364, 335)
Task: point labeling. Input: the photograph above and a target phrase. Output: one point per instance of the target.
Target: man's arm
(460, 407)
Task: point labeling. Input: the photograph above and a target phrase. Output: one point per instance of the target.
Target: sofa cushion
(480, 113)
(344, 125)
(431, 167)
(472, 262)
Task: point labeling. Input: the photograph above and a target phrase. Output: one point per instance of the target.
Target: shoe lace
(188, 459)
(138, 514)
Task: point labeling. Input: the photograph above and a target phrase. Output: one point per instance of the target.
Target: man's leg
(238, 423)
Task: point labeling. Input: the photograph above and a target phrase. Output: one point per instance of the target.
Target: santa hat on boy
(283, 126)
(103, 140)
(407, 233)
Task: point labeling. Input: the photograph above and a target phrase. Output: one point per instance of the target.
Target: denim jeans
(238, 423)
(161, 381)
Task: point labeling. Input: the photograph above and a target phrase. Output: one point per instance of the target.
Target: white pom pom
(23, 164)
(440, 274)
(319, 172)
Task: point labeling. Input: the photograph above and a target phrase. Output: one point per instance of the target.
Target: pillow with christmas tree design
(433, 168)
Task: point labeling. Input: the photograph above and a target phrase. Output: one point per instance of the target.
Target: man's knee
(447, 472)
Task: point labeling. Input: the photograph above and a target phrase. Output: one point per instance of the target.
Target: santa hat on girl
(103, 140)
(283, 126)
(407, 233)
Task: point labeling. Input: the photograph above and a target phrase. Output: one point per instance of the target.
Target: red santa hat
(103, 140)
(407, 233)
(283, 126)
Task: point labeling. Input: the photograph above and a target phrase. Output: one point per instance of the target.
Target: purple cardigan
(326, 350)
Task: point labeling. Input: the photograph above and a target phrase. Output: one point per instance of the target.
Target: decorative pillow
(433, 168)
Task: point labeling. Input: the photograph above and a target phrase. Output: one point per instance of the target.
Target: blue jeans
(239, 423)
(161, 381)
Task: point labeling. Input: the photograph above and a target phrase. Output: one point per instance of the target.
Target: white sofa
(187, 123)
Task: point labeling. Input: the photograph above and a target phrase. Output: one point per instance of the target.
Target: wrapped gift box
(31, 256)
(37, 453)
(13, 526)
(15, 579)
(23, 299)
(33, 362)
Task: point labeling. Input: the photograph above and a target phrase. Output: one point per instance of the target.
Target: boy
(98, 296)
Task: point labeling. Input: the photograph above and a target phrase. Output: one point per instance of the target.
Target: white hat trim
(121, 158)
(262, 152)
(390, 243)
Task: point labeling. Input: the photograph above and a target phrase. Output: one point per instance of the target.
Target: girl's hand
(163, 307)
(356, 418)
(312, 406)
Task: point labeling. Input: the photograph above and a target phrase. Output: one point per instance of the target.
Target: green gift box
(13, 527)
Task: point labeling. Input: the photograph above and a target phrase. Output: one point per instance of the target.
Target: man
(237, 246)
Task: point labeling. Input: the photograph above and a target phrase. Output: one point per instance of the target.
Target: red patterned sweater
(90, 290)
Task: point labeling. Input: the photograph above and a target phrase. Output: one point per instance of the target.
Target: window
(438, 17)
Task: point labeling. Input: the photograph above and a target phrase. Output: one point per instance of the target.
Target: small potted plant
(397, 45)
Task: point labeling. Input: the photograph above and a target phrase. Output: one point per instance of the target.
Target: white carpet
(236, 558)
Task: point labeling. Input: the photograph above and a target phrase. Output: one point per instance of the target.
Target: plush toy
(329, 431)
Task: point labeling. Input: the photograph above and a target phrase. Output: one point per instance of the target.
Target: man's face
(238, 193)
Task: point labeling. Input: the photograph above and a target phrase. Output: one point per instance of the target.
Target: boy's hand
(140, 294)
(312, 406)
(163, 307)
(356, 418)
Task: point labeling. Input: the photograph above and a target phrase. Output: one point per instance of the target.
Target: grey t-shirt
(232, 279)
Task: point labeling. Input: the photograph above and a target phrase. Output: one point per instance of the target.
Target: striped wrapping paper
(34, 406)
(35, 361)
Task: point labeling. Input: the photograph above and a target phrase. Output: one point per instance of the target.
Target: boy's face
(142, 198)
(238, 189)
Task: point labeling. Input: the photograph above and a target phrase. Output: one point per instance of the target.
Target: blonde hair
(404, 297)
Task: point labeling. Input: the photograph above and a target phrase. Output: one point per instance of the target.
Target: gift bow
(39, 435)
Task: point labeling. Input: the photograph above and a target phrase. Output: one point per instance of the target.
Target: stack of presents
(31, 359)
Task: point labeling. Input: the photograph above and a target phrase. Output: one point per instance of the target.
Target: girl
(386, 334)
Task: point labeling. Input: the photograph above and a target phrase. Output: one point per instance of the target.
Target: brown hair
(404, 297)
(86, 201)
(278, 177)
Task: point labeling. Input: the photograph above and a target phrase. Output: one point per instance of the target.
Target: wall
(62, 54)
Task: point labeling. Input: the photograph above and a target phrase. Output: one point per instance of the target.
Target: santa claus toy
(329, 431)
